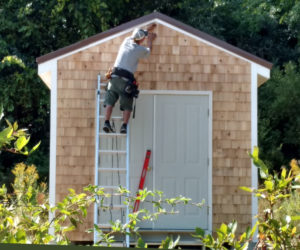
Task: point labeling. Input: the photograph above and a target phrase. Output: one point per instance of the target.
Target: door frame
(210, 119)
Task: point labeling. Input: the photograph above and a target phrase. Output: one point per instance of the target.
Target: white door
(181, 156)
(178, 130)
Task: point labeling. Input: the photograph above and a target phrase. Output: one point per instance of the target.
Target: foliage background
(31, 28)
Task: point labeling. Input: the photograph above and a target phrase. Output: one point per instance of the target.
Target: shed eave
(263, 74)
(46, 71)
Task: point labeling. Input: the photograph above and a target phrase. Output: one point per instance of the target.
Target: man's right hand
(152, 36)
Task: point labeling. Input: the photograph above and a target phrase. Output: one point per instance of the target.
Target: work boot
(123, 129)
(107, 128)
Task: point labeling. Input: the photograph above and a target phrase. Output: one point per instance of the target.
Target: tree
(279, 121)
(263, 28)
(24, 96)
(31, 28)
(14, 140)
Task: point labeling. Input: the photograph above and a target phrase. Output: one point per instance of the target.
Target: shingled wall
(177, 62)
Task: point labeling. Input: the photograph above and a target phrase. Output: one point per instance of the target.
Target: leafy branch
(11, 134)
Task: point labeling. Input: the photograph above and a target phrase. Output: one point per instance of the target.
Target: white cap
(138, 34)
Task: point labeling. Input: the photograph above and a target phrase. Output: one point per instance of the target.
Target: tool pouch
(131, 90)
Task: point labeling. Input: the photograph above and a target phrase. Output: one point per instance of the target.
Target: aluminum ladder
(111, 166)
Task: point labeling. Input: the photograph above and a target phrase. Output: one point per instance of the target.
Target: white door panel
(175, 127)
(181, 162)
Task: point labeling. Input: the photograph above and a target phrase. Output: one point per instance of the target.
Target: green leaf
(269, 185)
(250, 234)
(283, 173)
(21, 142)
(233, 226)
(10, 220)
(263, 174)
(15, 126)
(245, 246)
(247, 189)
(263, 169)
(255, 153)
(21, 236)
(244, 235)
(199, 232)
(6, 133)
(223, 229)
(8, 123)
(141, 243)
(295, 217)
(63, 211)
(175, 243)
(165, 243)
(35, 147)
(84, 211)
(210, 239)
(68, 229)
(73, 221)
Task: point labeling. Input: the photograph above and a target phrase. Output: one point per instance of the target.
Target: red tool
(142, 180)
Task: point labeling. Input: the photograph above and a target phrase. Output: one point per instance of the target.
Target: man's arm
(150, 38)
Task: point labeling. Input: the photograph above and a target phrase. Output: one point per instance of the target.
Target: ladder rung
(112, 169)
(109, 187)
(113, 151)
(112, 134)
(104, 225)
(113, 117)
(103, 84)
(113, 207)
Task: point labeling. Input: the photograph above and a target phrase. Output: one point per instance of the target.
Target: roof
(147, 18)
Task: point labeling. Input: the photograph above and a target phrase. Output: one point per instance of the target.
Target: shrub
(278, 222)
(24, 213)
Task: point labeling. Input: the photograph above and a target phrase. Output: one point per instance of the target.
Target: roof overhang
(263, 74)
(47, 72)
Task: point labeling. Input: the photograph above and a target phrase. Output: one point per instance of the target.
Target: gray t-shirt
(129, 55)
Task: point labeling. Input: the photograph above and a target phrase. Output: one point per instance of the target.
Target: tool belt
(131, 88)
(123, 73)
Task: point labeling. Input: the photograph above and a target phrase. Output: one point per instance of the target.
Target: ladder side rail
(127, 182)
(97, 115)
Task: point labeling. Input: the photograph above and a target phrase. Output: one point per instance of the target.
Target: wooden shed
(197, 112)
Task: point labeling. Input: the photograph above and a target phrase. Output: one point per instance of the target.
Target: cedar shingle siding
(177, 62)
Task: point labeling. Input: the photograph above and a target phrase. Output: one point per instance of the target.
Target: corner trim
(53, 134)
(254, 141)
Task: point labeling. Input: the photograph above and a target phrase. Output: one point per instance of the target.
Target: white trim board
(53, 133)
(254, 140)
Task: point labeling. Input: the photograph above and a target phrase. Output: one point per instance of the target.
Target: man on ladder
(122, 82)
